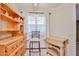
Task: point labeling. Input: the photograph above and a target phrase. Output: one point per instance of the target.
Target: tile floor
(43, 53)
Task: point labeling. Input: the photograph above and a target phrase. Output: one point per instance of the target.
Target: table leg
(39, 50)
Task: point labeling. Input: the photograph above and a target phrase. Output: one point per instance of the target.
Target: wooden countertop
(57, 41)
(9, 40)
(61, 39)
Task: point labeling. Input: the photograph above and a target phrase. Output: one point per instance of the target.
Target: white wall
(63, 23)
(25, 23)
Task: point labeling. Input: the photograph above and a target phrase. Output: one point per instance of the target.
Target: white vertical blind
(37, 22)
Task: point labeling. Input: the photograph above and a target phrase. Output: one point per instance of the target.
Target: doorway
(77, 37)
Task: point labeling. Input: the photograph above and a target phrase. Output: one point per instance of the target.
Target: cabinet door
(21, 51)
(11, 48)
(2, 51)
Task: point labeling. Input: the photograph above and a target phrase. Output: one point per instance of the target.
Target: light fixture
(35, 4)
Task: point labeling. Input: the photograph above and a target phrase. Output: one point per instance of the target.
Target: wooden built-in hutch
(12, 42)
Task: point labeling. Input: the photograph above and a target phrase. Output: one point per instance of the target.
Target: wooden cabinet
(11, 22)
(12, 46)
(56, 46)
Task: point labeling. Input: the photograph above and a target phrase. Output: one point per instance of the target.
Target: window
(37, 23)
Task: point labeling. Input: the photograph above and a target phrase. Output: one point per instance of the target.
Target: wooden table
(57, 46)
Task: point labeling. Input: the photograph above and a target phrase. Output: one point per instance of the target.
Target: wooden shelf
(52, 52)
(11, 10)
(7, 18)
(9, 30)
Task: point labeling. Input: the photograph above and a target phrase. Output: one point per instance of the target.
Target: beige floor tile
(43, 53)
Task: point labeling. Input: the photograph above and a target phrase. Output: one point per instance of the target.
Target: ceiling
(39, 6)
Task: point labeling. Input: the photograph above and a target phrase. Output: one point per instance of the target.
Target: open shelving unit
(11, 31)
